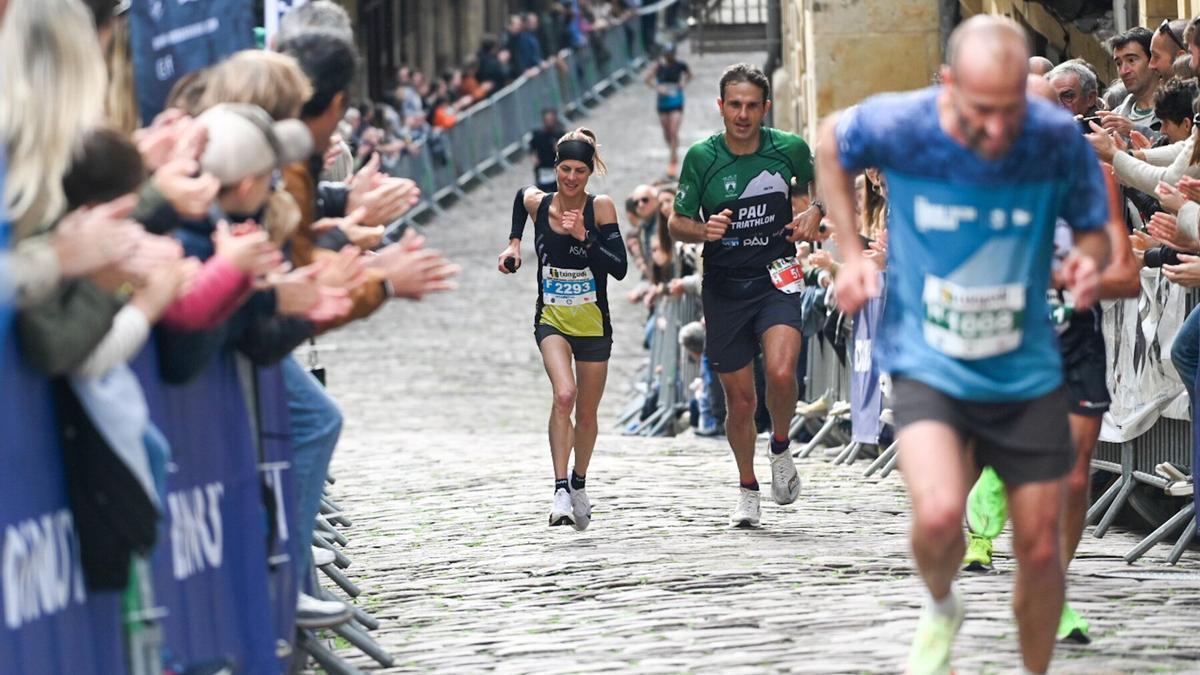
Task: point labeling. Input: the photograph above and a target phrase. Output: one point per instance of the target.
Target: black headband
(580, 151)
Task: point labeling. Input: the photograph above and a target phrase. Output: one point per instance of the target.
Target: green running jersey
(754, 187)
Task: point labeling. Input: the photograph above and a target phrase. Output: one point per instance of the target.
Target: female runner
(578, 246)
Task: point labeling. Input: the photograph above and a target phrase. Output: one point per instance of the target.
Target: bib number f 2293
(973, 322)
(567, 287)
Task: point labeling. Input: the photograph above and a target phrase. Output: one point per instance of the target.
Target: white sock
(1026, 671)
(944, 607)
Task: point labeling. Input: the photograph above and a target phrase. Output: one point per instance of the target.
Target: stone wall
(837, 52)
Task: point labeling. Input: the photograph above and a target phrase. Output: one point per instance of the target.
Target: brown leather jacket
(367, 297)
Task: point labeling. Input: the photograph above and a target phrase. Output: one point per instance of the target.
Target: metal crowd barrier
(1136, 463)
(670, 372)
(490, 133)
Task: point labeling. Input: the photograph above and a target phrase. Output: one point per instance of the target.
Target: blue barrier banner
(50, 623)
(275, 466)
(171, 38)
(210, 568)
(6, 289)
(866, 398)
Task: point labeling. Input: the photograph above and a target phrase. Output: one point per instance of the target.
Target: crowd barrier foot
(631, 410)
(893, 457)
(331, 663)
(844, 455)
(1114, 498)
(325, 526)
(852, 453)
(365, 644)
(360, 615)
(826, 429)
(1186, 514)
(645, 427)
(1118, 504)
(1185, 540)
(349, 587)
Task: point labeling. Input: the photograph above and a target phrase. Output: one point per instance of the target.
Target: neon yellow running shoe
(930, 653)
(979, 554)
(1072, 627)
(987, 505)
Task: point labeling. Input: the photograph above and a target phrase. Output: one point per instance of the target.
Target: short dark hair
(107, 165)
(1174, 100)
(745, 72)
(1138, 34)
(329, 62)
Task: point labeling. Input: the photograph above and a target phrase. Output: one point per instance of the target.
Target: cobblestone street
(444, 468)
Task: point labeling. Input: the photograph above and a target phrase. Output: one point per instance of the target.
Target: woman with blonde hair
(53, 78)
(578, 246)
(270, 80)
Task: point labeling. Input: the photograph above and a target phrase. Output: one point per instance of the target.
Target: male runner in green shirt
(734, 196)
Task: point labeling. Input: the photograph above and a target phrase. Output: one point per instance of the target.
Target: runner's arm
(838, 187)
(605, 249)
(1121, 278)
(1094, 244)
(651, 73)
(685, 229)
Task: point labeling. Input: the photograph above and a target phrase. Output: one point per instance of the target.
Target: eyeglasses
(1196, 120)
(643, 200)
(1165, 29)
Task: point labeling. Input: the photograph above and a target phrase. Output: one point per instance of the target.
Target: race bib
(546, 175)
(787, 275)
(973, 323)
(1062, 308)
(568, 288)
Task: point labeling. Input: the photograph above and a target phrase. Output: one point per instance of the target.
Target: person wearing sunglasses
(1166, 46)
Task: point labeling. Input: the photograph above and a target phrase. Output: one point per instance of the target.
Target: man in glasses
(1075, 86)
(644, 201)
(1166, 46)
(1131, 52)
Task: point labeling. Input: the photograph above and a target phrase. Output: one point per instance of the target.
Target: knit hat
(244, 141)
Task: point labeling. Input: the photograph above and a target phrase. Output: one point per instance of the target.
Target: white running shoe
(785, 482)
(581, 509)
(930, 653)
(562, 513)
(748, 511)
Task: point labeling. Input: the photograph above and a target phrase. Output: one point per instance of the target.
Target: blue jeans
(316, 425)
(1185, 353)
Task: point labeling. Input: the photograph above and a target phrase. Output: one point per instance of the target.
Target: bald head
(988, 39)
(1036, 85)
(1040, 65)
(983, 97)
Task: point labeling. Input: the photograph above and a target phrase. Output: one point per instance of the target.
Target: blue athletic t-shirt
(971, 242)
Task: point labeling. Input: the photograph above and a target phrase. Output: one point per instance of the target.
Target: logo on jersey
(730, 185)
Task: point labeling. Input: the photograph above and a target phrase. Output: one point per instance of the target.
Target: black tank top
(572, 295)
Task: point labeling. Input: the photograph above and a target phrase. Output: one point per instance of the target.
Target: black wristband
(820, 207)
(519, 215)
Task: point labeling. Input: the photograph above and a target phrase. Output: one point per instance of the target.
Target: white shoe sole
(745, 524)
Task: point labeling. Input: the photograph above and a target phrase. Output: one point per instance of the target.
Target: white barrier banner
(1138, 334)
